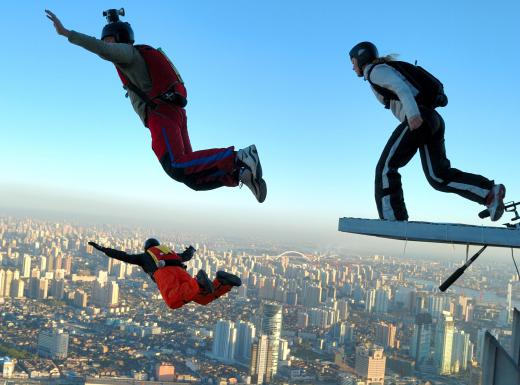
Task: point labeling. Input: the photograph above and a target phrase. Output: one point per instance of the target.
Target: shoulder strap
(387, 94)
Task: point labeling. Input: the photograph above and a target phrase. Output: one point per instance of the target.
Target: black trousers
(429, 140)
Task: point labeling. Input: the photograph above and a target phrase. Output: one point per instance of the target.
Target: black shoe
(204, 282)
(226, 278)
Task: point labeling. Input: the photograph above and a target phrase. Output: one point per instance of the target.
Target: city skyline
(294, 314)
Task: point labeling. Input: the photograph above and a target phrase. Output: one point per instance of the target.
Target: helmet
(364, 52)
(122, 31)
(150, 242)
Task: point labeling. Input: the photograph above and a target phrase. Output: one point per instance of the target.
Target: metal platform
(433, 232)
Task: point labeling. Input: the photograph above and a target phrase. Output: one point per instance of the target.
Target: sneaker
(204, 282)
(226, 278)
(248, 157)
(495, 201)
(257, 186)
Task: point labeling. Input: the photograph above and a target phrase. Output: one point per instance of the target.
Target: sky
(274, 73)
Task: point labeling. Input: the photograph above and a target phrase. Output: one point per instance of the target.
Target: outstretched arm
(118, 53)
(118, 254)
(57, 24)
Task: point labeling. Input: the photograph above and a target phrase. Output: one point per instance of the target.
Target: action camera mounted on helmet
(112, 15)
(121, 31)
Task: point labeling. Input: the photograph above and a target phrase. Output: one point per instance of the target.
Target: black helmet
(122, 31)
(364, 52)
(150, 242)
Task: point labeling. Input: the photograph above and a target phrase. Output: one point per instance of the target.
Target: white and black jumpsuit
(404, 143)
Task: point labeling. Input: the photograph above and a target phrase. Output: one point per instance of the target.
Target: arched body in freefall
(168, 271)
(158, 95)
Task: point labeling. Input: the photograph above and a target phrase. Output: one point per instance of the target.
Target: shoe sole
(499, 211)
(226, 278)
(261, 187)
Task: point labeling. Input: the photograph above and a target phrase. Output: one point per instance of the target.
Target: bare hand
(415, 122)
(57, 24)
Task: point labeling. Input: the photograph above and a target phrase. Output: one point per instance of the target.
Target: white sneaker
(257, 186)
(249, 157)
(495, 201)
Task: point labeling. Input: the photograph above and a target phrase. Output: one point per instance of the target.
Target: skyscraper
(271, 326)
(2, 282)
(371, 364)
(370, 300)
(436, 305)
(421, 339)
(53, 344)
(444, 343)
(385, 335)
(26, 266)
(382, 300)
(260, 367)
(225, 340)
(17, 288)
(246, 332)
(461, 352)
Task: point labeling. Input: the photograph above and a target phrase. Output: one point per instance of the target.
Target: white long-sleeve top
(385, 76)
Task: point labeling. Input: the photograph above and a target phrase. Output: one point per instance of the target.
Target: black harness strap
(132, 87)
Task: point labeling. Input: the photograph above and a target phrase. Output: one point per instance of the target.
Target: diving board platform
(433, 232)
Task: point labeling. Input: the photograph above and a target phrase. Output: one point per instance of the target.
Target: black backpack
(431, 91)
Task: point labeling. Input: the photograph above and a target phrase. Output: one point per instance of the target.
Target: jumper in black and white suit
(404, 143)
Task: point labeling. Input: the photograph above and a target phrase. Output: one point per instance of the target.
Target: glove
(96, 246)
(187, 254)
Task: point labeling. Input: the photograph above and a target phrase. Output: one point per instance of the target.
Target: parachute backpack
(430, 89)
(167, 84)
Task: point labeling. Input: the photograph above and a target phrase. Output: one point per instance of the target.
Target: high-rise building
(284, 351)
(246, 333)
(68, 264)
(225, 340)
(26, 266)
(17, 288)
(385, 335)
(311, 296)
(343, 309)
(461, 351)
(38, 288)
(371, 364)
(271, 326)
(370, 300)
(113, 293)
(444, 343)
(43, 263)
(53, 344)
(2, 282)
(436, 305)
(80, 298)
(260, 367)
(302, 319)
(421, 339)
(57, 290)
(382, 300)
(7, 283)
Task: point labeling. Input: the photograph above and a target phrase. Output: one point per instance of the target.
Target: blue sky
(273, 73)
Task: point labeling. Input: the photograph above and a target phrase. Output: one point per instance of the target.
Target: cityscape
(70, 315)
